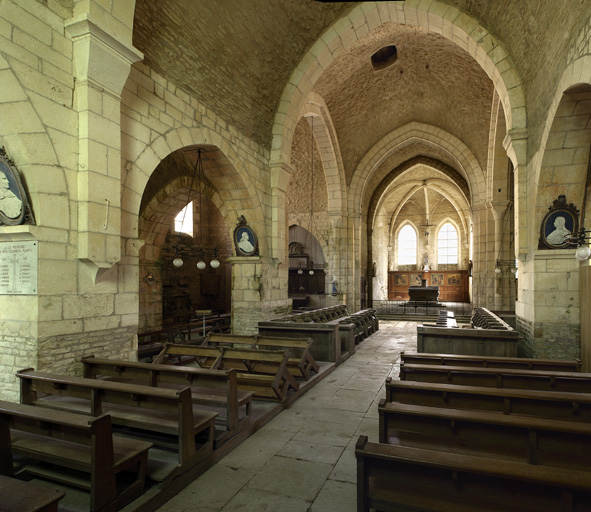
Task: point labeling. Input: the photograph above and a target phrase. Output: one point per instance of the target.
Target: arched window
(183, 222)
(407, 246)
(447, 245)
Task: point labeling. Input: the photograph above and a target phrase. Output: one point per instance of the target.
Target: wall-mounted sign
(18, 268)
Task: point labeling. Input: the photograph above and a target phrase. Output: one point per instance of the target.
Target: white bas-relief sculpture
(560, 234)
(10, 204)
(14, 203)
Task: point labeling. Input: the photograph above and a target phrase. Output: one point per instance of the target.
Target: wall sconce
(149, 279)
(582, 239)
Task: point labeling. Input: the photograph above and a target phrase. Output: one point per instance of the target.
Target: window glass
(447, 245)
(407, 246)
(183, 222)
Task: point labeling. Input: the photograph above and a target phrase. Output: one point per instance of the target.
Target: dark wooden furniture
(423, 293)
(263, 371)
(154, 411)
(20, 496)
(301, 362)
(150, 343)
(453, 284)
(216, 389)
(543, 404)
(76, 442)
(333, 330)
(548, 442)
(400, 478)
(517, 363)
(543, 380)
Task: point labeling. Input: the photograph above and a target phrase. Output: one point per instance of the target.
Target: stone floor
(304, 459)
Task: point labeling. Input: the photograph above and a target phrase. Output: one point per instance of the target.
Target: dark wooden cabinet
(306, 284)
(453, 284)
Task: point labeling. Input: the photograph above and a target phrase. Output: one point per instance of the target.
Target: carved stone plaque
(18, 268)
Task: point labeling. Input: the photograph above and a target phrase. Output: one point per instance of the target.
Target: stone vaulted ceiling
(236, 57)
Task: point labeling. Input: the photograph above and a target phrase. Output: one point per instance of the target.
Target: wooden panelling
(453, 284)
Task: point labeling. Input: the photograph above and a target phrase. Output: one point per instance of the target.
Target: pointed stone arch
(453, 24)
(235, 188)
(467, 164)
(330, 153)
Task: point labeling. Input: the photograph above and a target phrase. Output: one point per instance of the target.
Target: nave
(304, 459)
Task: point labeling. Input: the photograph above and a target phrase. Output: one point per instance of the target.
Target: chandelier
(203, 251)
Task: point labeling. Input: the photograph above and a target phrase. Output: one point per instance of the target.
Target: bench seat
(400, 478)
(21, 496)
(144, 408)
(74, 441)
(209, 388)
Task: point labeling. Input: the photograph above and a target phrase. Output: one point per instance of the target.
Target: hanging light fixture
(178, 261)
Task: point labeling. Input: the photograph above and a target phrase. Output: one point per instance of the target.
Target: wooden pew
(150, 410)
(263, 371)
(211, 388)
(77, 442)
(492, 362)
(408, 479)
(20, 496)
(548, 442)
(150, 343)
(557, 404)
(571, 382)
(300, 362)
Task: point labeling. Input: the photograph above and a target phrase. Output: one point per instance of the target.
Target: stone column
(247, 293)
(102, 63)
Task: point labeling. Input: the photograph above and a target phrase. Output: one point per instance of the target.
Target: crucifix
(427, 226)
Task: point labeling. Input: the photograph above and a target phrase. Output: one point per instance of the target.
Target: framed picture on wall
(454, 280)
(416, 279)
(559, 225)
(400, 280)
(245, 239)
(14, 204)
(436, 279)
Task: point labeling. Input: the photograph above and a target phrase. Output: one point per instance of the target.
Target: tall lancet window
(407, 246)
(447, 245)
(183, 222)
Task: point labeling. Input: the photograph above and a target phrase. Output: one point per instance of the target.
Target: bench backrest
(569, 406)
(152, 374)
(176, 402)
(95, 433)
(572, 382)
(573, 365)
(550, 442)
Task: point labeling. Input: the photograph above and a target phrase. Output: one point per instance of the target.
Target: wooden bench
(557, 404)
(162, 413)
(150, 343)
(408, 479)
(76, 442)
(263, 371)
(210, 388)
(492, 362)
(20, 496)
(549, 442)
(300, 363)
(543, 380)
